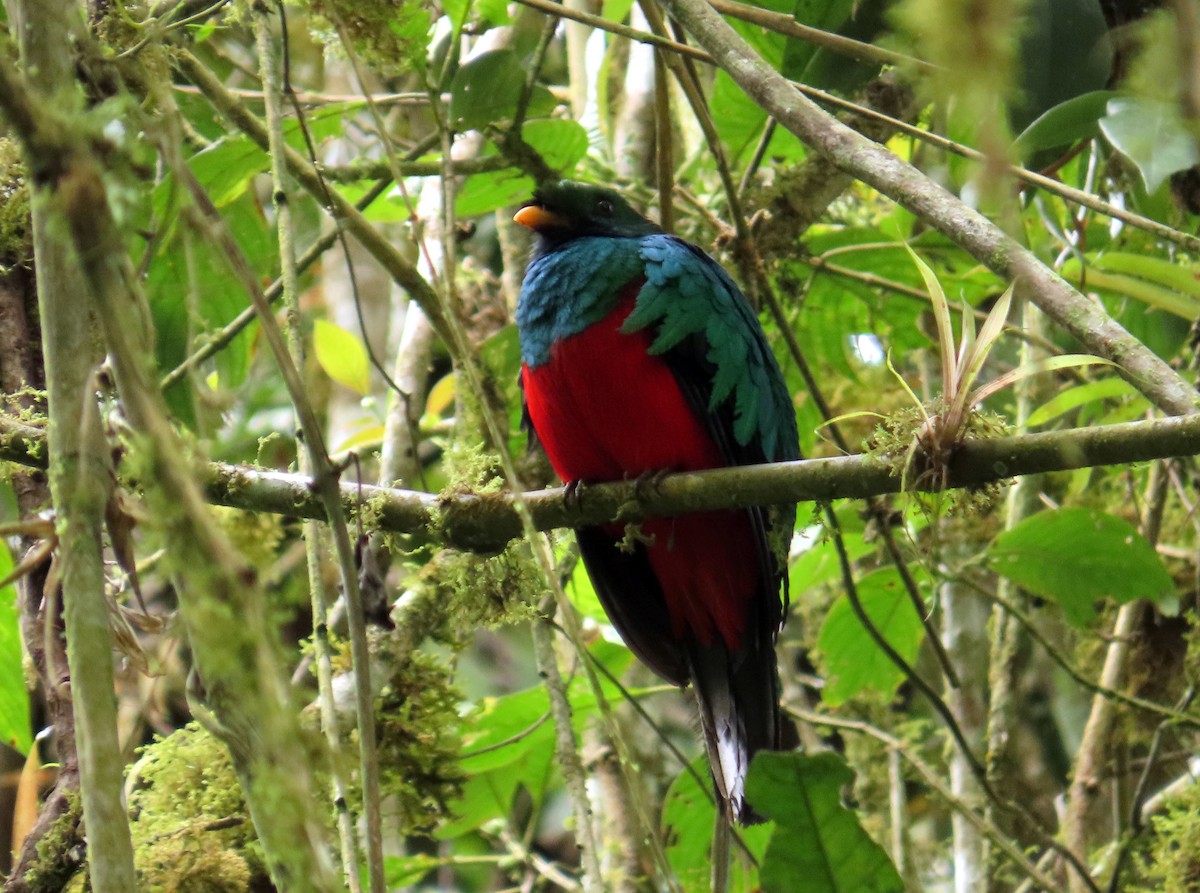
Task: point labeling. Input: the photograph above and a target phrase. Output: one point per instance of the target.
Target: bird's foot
(649, 483)
(573, 493)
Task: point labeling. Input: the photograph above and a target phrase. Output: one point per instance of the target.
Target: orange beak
(538, 218)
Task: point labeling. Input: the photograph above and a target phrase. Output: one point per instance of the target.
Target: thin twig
(837, 43)
(289, 280)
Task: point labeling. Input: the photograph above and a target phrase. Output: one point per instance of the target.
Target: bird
(641, 356)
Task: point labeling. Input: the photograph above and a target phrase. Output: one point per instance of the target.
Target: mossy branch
(315, 460)
(485, 523)
(80, 479)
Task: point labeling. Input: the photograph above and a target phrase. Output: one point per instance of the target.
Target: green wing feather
(688, 294)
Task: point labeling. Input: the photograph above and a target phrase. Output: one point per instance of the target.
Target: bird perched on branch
(640, 356)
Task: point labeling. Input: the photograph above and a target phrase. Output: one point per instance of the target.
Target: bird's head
(569, 210)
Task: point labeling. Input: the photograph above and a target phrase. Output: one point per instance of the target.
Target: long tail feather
(739, 713)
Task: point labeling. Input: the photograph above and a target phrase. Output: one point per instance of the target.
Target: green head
(569, 210)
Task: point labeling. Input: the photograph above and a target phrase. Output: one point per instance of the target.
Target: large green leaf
(1065, 52)
(217, 296)
(1152, 135)
(1068, 122)
(1079, 556)
(489, 795)
(851, 659)
(486, 90)
(583, 595)
(343, 356)
(1077, 396)
(561, 142)
(502, 354)
(688, 818)
(503, 729)
(818, 845)
(403, 871)
(738, 118)
(483, 193)
(14, 698)
(510, 742)
(226, 168)
(819, 565)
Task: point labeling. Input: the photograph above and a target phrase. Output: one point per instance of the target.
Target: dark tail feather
(739, 713)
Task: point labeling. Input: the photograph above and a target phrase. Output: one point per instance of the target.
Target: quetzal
(640, 355)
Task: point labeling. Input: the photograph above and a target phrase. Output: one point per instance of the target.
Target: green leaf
(494, 12)
(502, 354)
(403, 871)
(486, 90)
(583, 595)
(560, 142)
(1037, 367)
(1183, 278)
(486, 192)
(1078, 556)
(687, 828)
(851, 659)
(342, 356)
(1068, 122)
(818, 846)
(489, 795)
(226, 168)
(1151, 135)
(504, 729)
(456, 12)
(14, 698)
(1150, 293)
(1080, 395)
(1066, 51)
(820, 564)
(941, 316)
(615, 10)
(821, 67)
(219, 298)
(510, 742)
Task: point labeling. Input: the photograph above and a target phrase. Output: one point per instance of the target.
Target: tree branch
(486, 522)
(80, 480)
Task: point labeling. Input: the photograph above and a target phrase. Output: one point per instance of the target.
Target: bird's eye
(604, 208)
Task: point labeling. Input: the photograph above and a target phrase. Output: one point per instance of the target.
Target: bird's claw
(649, 483)
(573, 494)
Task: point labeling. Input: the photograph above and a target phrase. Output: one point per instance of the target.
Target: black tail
(739, 713)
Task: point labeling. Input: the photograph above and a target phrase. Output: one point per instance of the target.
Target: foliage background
(1029, 724)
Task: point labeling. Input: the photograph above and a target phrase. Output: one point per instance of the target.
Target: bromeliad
(640, 355)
